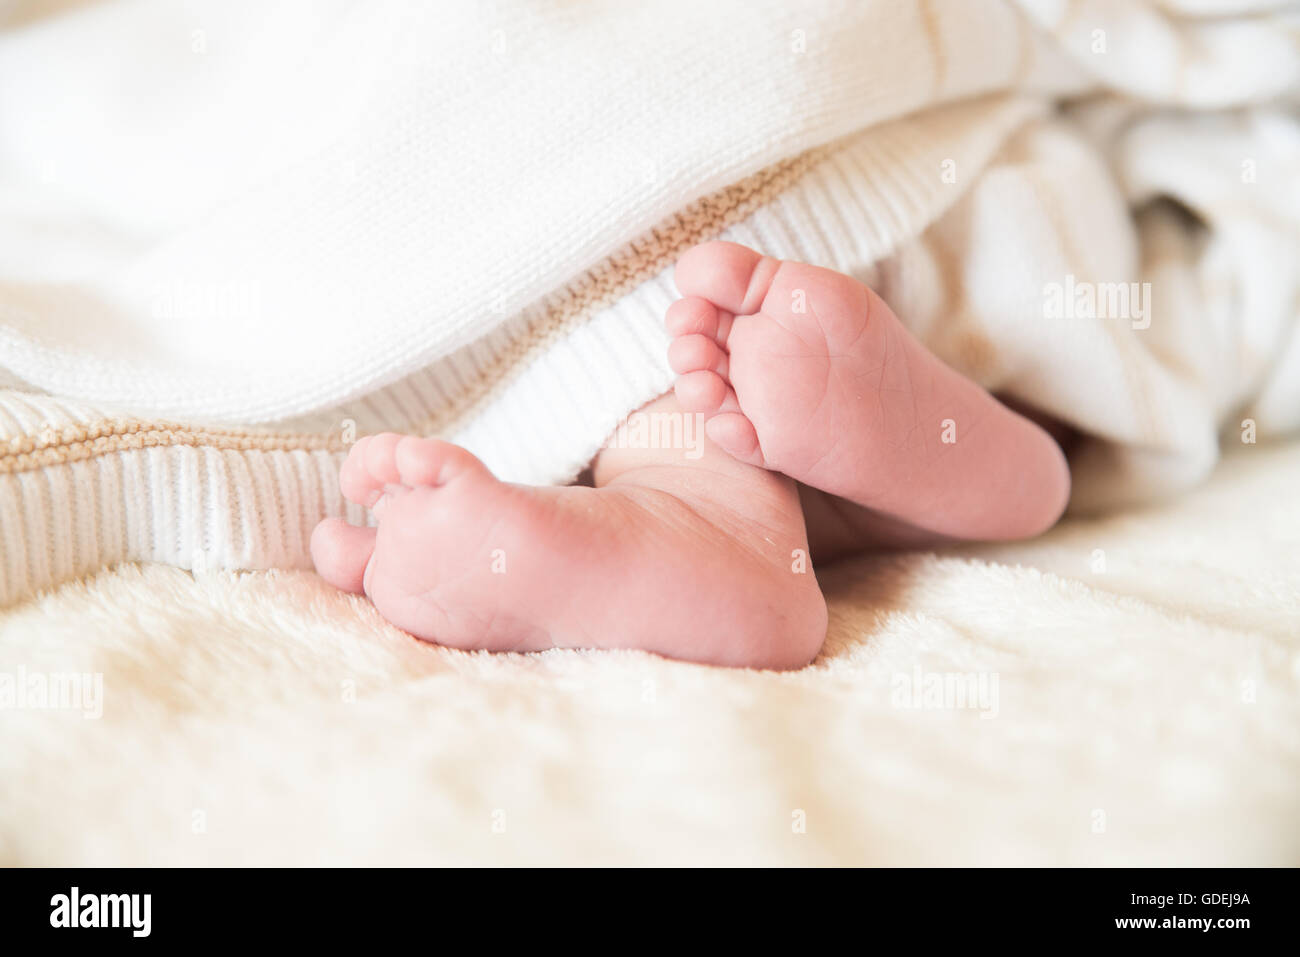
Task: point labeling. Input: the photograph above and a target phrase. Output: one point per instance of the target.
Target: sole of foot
(806, 371)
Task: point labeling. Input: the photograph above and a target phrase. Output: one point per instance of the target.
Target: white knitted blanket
(234, 236)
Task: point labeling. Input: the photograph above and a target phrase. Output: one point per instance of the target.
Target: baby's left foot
(697, 560)
(808, 372)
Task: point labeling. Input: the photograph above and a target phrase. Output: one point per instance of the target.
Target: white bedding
(1147, 669)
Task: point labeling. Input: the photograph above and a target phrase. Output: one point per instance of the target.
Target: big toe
(731, 276)
(341, 551)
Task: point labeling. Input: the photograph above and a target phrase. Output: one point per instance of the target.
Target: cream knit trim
(51, 446)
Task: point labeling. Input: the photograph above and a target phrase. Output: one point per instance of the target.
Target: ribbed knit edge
(193, 506)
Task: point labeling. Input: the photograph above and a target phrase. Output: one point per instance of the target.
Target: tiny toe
(695, 352)
(355, 481)
(432, 461)
(733, 277)
(381, 458)
(692, 316)
(341, 551)
(734, 434)
(701, 391)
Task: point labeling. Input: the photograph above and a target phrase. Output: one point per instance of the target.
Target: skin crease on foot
(827, 424)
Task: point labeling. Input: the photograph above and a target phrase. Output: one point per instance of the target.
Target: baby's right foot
(806, 371)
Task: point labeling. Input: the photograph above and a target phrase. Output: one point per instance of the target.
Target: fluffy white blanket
(1131, 698)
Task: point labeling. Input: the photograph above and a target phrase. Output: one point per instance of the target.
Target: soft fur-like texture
(1146, 713)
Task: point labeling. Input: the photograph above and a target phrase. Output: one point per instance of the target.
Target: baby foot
(806, 371)
(465, 560)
